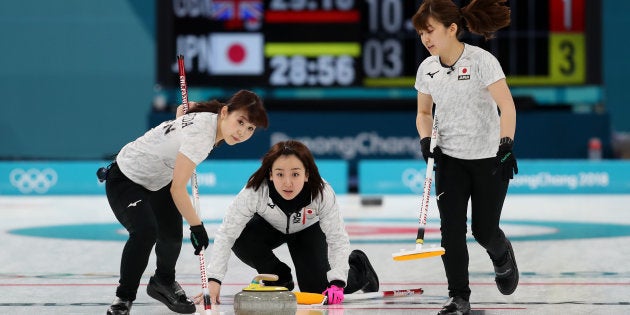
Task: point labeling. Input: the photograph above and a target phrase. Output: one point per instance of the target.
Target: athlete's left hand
(506, 160)
(334, 294)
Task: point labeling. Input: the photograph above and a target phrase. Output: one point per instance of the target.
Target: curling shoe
(172, 295)
(455, 306)
(119, 307)
(361, 260)
(507, 274)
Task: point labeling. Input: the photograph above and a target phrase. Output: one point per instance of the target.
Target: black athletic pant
(458, 181)
(308, 249)
(151, 218)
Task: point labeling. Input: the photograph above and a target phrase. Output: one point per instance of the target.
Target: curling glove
(199, 238)
(506, 161)
(334, 294)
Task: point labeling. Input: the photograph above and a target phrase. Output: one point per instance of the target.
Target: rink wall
(375, 177)
(79, 178)
(534, 177)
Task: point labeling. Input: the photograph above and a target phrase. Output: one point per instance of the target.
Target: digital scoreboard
(350, 49)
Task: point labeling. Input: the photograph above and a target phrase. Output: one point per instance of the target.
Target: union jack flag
(225, 10)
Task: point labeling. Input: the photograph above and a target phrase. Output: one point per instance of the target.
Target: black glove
(199, 238)
(505, 160)
(425, 147)
(102, 172)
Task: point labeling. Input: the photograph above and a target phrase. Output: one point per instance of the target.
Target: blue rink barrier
(381, 177)
(79, 177)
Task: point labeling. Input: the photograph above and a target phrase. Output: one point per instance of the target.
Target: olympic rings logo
(414, 179)
(33, 180)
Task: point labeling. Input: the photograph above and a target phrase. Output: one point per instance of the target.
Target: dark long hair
(243, 99)
(315, 182)
(482, 17)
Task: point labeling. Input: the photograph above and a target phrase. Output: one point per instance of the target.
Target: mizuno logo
(271, 205)
(133, 204)
(432, 74)
(438, 196)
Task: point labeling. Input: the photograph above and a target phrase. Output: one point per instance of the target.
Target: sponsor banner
(79, 177)
(380, 177)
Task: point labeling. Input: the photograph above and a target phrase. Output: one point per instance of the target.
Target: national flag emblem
(236, 54)
(250, 10)
(309, 213)
(224, 10)
(463, 73)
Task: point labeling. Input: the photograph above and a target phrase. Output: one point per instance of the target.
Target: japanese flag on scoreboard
(236, 54)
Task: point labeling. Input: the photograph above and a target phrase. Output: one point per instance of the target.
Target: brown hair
(315, 182)
(243, 99)
(483, 17)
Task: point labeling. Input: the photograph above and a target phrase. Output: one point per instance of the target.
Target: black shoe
(361, 260)
(119, 307)
(507, 274)
(455, 306)
(173, 296)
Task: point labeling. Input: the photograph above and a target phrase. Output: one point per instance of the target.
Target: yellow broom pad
(410, 255)
(307, 298)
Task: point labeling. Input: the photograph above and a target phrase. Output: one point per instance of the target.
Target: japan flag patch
(463, 73)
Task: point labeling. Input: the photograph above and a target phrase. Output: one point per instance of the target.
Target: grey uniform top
(150, 159)
(468, 119)
(249, 201)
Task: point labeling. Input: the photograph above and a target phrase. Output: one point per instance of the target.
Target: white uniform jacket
(248, 202)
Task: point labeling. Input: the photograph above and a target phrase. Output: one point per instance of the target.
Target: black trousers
(458, 181)
(151, 218)
(308, 250)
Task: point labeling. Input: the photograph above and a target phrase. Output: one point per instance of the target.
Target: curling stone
(371, 200)
(259, 299)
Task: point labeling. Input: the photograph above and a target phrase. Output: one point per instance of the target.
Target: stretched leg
(170, 234)
(487, 203)
(130, 205)
(163, 286)
(309, 251)
(453, 186)
(255, 248)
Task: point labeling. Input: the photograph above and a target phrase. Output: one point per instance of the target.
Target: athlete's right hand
(199, 238)
(425, 147)
(215, 292)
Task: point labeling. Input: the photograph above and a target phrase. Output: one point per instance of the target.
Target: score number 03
(322, 70)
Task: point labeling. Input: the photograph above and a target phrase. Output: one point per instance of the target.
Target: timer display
(356, 47)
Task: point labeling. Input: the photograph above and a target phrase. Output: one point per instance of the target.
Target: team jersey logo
(463, 73)
(432, 74)
(309, 213)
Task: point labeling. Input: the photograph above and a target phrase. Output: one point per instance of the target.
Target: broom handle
(195, 188)
(424, 207)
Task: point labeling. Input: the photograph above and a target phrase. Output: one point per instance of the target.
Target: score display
(287, 43)
(343, 48)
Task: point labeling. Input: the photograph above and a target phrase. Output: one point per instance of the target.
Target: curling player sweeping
(477, 122)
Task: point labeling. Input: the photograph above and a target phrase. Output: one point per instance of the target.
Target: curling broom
(306, 298)
(207, 305)
(420, 252)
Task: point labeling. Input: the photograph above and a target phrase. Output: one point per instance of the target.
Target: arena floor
(60, 255)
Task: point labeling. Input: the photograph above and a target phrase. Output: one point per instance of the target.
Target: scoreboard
(350, 49)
